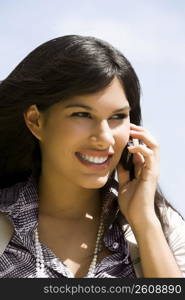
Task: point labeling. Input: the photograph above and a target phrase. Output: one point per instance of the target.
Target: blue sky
(151, 33)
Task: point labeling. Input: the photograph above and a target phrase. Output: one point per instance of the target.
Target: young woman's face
(83, 137)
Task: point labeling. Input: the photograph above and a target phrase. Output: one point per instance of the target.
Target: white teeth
(97, 160)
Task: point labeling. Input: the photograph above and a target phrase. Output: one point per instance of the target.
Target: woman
(69, 122)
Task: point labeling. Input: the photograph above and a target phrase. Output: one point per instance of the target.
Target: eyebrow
(91, 109)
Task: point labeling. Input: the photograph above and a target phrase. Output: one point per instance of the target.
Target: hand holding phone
(142, 161)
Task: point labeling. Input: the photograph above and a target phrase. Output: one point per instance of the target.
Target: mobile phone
(127, 160)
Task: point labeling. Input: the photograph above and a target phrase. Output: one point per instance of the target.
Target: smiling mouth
(94, 161)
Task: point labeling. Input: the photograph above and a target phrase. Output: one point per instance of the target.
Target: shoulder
(11, 197)
(5, 232)
(174, 228)
(8, 197)
(175, 235)
(15, 202)
(172, 218)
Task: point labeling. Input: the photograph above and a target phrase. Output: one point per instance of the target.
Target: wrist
(148, 219)
(148, 222)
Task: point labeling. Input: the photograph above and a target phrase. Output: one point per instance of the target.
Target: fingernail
(130, 143)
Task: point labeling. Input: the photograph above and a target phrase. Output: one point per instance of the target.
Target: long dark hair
(58, 69)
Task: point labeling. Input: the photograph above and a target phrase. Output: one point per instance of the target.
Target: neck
(66, 200)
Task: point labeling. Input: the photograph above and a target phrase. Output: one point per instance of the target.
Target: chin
(96, 183)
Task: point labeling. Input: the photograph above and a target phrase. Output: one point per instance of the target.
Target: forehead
(112, 96)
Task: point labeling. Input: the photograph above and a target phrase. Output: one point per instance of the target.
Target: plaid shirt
(20, 203)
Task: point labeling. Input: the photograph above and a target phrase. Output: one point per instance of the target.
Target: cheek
(76, 129)
(60, 137)
(122, 138)
(122, 135)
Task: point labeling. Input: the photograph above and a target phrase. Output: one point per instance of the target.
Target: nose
(103, 135)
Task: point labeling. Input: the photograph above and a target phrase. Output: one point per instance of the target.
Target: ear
(34, 121)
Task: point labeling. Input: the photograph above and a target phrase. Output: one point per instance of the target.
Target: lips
(94, 165)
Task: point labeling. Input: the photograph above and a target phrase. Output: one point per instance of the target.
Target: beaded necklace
(40, 269)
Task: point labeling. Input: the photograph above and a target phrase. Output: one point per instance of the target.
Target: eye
(81, 115)
(119, 116)
(87, 115)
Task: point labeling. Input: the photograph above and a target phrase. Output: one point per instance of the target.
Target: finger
(137, 127)
(138, 158)
(146, 152)
(145, 137)
(138, 170)
(138, 161)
